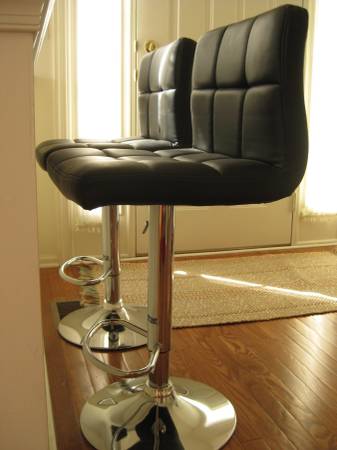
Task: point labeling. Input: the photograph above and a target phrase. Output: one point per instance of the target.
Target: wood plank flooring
(280, 375)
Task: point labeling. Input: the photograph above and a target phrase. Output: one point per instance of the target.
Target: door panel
(251, 8)
(154, 22)
(292, 2)
(223, 13)
(225, 227)
(221, 227)
(194, 24)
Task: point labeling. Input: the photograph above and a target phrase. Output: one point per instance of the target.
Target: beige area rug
(239, 289)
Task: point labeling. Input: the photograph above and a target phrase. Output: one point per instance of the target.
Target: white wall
(45, 128)
(23, 423)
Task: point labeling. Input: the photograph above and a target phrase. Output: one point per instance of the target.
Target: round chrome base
(74, 326)
(129, 415)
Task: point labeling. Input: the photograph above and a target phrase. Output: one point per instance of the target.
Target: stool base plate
(74, 326)
(124, 416)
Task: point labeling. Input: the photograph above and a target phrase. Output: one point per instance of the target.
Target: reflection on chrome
(200, 419)
(278, 290)
(212, 415)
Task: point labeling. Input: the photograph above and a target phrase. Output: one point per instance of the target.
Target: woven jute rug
(239, 289)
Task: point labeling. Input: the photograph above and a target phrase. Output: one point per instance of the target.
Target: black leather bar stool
(249, 146)
(165, 122)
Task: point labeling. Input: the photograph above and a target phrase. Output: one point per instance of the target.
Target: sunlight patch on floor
(273, 289)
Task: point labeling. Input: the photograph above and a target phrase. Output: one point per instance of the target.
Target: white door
(221, 227)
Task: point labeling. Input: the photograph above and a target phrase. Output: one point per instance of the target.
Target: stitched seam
(178, 62)
(149, 98)
(176, 156)
(216, 57)
(76, 157)
(178, 65)
(246, 51)
(240, 150)
(217, 51)
(285, 34)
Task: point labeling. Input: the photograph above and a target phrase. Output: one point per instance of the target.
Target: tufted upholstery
(249, 128)
(163, 103)
(47, 148)
(247, 89)
(164, 92)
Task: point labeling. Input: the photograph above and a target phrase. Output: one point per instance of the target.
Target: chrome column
(74, 326)
(111, 261)
(160, 290)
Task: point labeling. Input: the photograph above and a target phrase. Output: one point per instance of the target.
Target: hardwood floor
(280, 375)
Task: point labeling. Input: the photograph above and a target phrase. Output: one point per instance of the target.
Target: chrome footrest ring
(90, 356)
(78, 281)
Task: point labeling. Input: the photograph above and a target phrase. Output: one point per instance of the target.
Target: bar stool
(249, 146)
(165, 122)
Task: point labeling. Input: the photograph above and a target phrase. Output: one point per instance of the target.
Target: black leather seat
(164, 89)
(249, 128)
(165, 122)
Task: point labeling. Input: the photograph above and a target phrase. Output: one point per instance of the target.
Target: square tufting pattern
(187, 176)
(248, 120)
(247, 82)
(163, 105)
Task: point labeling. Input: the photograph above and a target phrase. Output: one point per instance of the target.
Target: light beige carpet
(239, 289)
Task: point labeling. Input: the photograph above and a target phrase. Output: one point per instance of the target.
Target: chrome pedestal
(74, 326)
(155, 412)
(190, 416)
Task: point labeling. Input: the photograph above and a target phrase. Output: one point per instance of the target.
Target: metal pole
(160, 290)
(110, 243)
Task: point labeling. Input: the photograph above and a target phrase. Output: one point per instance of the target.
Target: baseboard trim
(248, 251)
(317, 243)
(51, 261)
(46, 261)
(50, 416)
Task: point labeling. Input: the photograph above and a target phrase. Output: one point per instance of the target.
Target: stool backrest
(164, 93)
(247, 90)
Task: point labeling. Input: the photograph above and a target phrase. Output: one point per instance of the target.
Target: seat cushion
(94, 177)
(46, 148)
